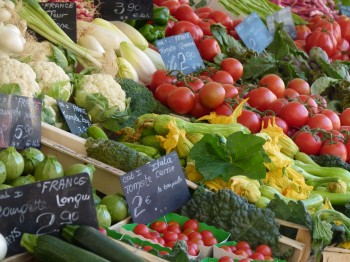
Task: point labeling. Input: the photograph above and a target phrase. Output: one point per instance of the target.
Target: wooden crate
(335, 254)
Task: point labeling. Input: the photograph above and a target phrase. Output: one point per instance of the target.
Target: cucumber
(96, 132)
(93, 240)
(53, 249)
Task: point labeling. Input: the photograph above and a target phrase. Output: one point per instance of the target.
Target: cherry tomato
(223, 110)
(338, 149)
(279, 122)
(172, 5)
(181, 27)
(322, 38)
(192, 252)
(160, 77)
(264, 249)
(182, 236)
(343, 45)
(233, 66)
(223, 77)
(333, 117)
(302, 32)
(347, 145)
(141, 229)
(211, 95)
(163, 252)
(321, 102)
(274, 83)
(204, 24)
(277, 105)
(208, 48)
(233, 248)
(191, 223)
(173, 228)
(345, 117)
(186, 13)
(230, 90)
(147, 248)
(203, 9)
(344, 23)
(210, 241)
(199, 109)
(332, 136)
(221, 17)
(162, 91)
(261, 98)
(170, 236)
(299, 85)
(320, 121)
(225, 259)
(174, 223)
(241, 252)
(197, 241)
(193, 246)
(161, 241)
(300, 44)
(192, 82)
(194, 235)
(257, 256)
(188, 231)
(307, 143)
(245, 260)
(226, 248)
(250, 120)
(181, 100)
(309, 103)
(290, 93)
(295, 114)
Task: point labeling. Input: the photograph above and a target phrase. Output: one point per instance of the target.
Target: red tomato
(199, 109)
(147, 248)
(245, 260)
(321, 102)
(233, 66)
(174, 223)
(314, 20)
(181, 100)
(295, 114)
(277, 105)
(338, 149)
(309, 103)
(261, 98)
(233, 248)
(300, 44)
(194, 235)
(163, 252)
(345, 117)
(182, 236)
(230, 90)
(191, 82)
(212, 94)
(161, 241)
(141, 229)
(241, 252)
(307, 143)
(250, 120)
(204, 24)
(226, 248)
(257, 256)
(279, 122)
(155, 234)
(193, 246)
(197, 241)
(225, 259)
(170, 236)
(302, 32)
(343, 45)
(223, 77)
(162, 91)
(332, 136)
(274, 83)
(203, 9)
(264, 249)
(333, 117)
(223, 110)
(170, 244)
(290, 93)
(322, 38)
(340, 55)
(204, 16)
(188, 231)
(172, 5)
(210, 241)
(320, 121)
(221, 17)
(192, 252)
(160, 77)
(181, 27)
(331, 26)
(173, 228)
(191, 223)
(208, 48)
(299, 85)
(344, 23)
(186, 13)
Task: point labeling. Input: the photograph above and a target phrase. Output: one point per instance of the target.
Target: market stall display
(253, 104)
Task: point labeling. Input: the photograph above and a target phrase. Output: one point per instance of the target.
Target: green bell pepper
(161, 15)
(152, 33)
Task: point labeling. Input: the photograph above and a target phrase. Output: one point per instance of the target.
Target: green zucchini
(53, 249)
(96, 132)
(93, 240)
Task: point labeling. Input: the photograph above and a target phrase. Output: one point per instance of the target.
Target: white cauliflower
(13, 71)
(101, 96)
(52, 80)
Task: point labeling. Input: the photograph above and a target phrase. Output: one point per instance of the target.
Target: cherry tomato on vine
(320, 121)
(181, 100)
(159, 77)
(172, 5)
(212, 94)
(261, 98)
(231, 91)
(250, 120)
(221, 17)
(199, 109)
(279, 122)
(307, 143)
(181, 27)
(233, 66)
(295, 114)
(223, 110)
(274, 83)
(162, 91)
(290, 93)
(309, 103)
(192, 82)
(345, 117)
(186, 13)
(277, 105)
(299, 85)
(208, 48)
(223, 77)
(337, 148)
(204, 24)
(321, 102)
(333, 117)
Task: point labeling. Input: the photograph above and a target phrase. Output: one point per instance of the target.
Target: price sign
(179, 52)
(76, 117)
(155, 189)
(45, 207)
(20, 124)
(254, 33)
(65, 16)
(125, 9)
(282, 16)
(344, 10)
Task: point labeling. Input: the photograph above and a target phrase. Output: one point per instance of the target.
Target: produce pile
(264, 136)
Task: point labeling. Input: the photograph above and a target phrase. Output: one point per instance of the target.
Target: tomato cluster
(332, 35)
(198, 95)
(243, 249)
(167, 234)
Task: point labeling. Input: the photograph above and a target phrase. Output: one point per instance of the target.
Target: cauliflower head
(13, 71)
(52, 80)
(101, 96)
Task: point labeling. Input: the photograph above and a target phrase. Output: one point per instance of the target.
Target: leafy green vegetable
(230, 212)
(10, 89)
(242, 154)
(293, 211)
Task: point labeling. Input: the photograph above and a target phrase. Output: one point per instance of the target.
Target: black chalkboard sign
(179, 52)
(121, 10)
(254, 33)
(76, 117)
(155, 189)
(20, 124)
(344, 10)
(45, 207)
(282, 16)
(65, 15)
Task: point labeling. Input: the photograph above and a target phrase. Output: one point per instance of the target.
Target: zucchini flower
(191, 172)
(245, 187)
(339, 187)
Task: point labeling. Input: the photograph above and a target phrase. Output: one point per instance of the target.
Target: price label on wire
(20, 124)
